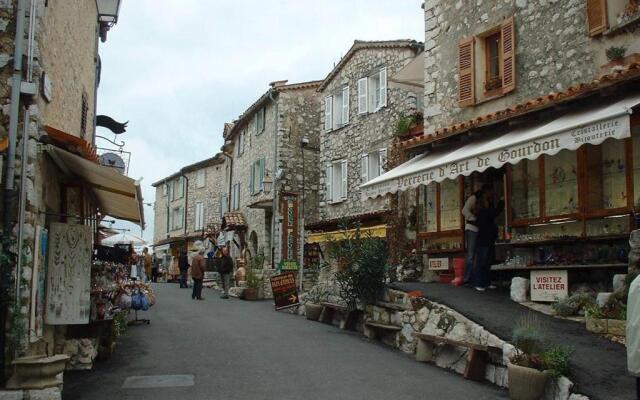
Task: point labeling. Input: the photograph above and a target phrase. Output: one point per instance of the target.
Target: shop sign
(288, 265)
(285, 290)
(549, 285)
(510, 148)
(439, 264)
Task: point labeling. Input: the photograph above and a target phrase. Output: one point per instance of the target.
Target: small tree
(363, 266)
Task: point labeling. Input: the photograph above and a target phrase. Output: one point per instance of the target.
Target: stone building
(276, 140)
(360, 110)
(188, 203)
(51, 171)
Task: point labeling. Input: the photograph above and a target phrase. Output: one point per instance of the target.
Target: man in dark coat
(225, 269)
(183, 265)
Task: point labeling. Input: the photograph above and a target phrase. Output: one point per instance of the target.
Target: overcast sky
(178, 69)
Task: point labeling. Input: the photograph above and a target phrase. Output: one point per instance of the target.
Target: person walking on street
(146, 257)
(225, 270)
(198, 266)
(487, 236)
(155, 268)
(183, 265)
(469, 212)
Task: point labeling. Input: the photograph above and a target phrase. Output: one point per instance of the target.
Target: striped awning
(379, 231)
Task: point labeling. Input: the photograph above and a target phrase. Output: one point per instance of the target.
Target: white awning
(118, 196)
(592, 126)
(412, 73)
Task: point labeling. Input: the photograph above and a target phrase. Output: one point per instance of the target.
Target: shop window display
(606, 177)
(561, 183)
(614, 225)
(450, 205)
(525, 197)
(428, 208)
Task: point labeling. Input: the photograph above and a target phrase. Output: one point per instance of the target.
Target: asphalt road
(245, 350)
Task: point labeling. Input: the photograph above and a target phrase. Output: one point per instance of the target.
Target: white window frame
(336, 191)
(372, 92)
(199, 216)
(235, 197)
(177, 223)
(201, 177)
(261, 117)
(373, 165)
(241, 142)
(223, 208)
(165, 189)
(177, 191)
(328, 113)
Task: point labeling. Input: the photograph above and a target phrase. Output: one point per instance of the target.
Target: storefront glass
(635, 138)
(429, 219)
(450, 204)
(606, 175)
(525, 190)
(561, 183)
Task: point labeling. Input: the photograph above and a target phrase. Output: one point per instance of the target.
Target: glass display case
(613, 225)
(570, 229)
(427, 205)
(561, 183)
(525, 192)
(443, 244)
(606, 175)
(450, 207)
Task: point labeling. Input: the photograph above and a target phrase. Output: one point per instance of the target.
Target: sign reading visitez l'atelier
(549, 285)
(510, 148)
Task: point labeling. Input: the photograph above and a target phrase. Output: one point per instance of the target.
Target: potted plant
(527, 378)
(615, 55)
(253, 285)
(312, 306)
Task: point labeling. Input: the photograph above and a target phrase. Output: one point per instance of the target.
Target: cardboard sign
(289, 265)
(549, 285)
(439, 264)
(285, 290)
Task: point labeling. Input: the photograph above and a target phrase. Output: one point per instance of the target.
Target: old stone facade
(266, 140)
(200, 189)
(365, 132)
(553, 51)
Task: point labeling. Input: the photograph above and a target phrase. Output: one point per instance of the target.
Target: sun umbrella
(124, 238)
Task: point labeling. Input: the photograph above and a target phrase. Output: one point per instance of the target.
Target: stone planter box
(37, 372)
(606, 326)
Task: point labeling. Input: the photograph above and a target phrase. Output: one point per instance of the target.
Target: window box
(623, 62)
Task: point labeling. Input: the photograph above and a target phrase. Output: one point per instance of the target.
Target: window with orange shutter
(597, 21)
(508, 43)
(466, 65)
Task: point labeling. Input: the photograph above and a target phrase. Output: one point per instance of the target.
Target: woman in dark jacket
(485, 246)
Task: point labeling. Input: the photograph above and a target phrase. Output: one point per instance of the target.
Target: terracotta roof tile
(233, 220)
(631, 71)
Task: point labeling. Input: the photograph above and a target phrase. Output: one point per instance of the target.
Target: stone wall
(553, 51)
(299, 111)
(68, 52)
(160, 215)
(365, 132)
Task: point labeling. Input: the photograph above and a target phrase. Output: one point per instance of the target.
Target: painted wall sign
(439, 264)
(69, 274)
(510, 148)
(289, 265)
(285, 290)
(549, 285)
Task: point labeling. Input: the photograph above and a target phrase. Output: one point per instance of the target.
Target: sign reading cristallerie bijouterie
(510, 148)
(285, 290)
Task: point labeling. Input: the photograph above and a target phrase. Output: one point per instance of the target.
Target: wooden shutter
(262, 169)
(508, 35)
(328, 113)
(252, 178)
(327, 182)
(364, 168)
(362, 95)
(383, 160)
(466, 65)
(344, 188)
(345, 105)
(597, 20)
(382, 100)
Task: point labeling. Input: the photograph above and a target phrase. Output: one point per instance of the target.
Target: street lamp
(267, 183)
(108, 11)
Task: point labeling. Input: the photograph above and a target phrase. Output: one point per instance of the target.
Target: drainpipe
(9, 176)
(186, 204)
(274, 216)
(14, 112)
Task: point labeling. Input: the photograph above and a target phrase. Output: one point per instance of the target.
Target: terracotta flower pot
(37, 372)
(526, 383)
(251, 294)
(312, 311)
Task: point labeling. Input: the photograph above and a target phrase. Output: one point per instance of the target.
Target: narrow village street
(244, 350)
